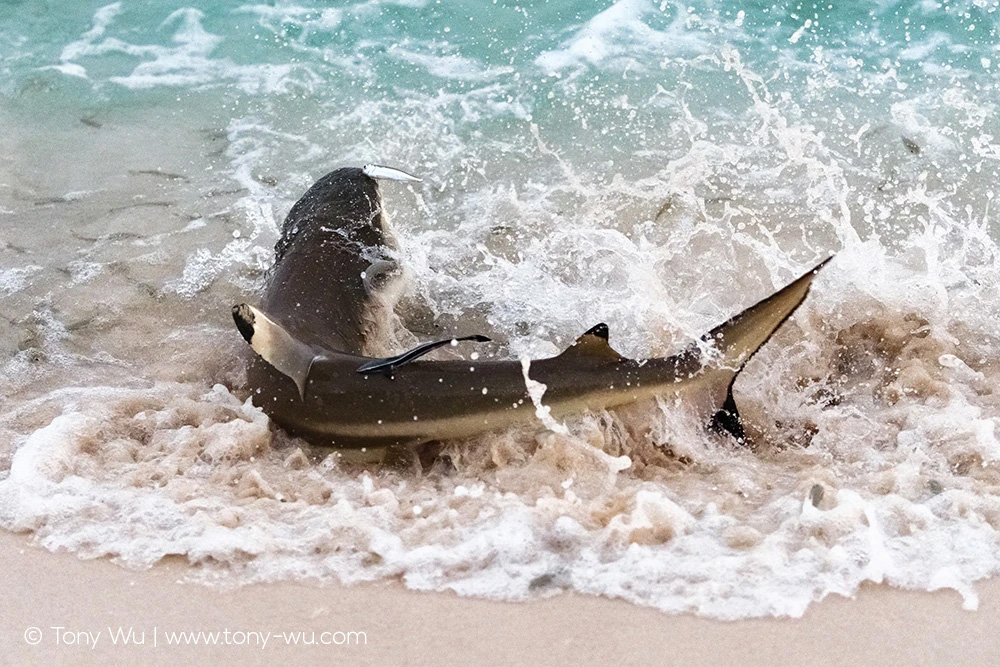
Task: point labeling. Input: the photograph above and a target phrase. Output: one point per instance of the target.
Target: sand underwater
(658, 167)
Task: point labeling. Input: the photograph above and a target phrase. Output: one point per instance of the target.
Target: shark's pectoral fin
(738, 339)
(275, 345)
(389, 364)
(593, 344)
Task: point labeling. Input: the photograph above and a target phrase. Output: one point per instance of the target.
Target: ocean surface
(654, 165)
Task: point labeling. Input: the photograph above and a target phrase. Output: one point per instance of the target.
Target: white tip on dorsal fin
(593, 344)
(275, 345)
(380, 173)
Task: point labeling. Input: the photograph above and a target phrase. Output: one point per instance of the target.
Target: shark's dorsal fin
(389, 364)
(275, 345)
(593, 344)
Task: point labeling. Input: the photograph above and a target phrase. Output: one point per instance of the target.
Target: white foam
(70, 69)
(83, 271)
(102, 19)
(448, 65)
(536, 390)
(187, 63)
(620, 33)
(17, 279)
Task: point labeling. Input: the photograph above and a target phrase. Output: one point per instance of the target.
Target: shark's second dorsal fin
(593, 344)
(275, 344)
(389, 364)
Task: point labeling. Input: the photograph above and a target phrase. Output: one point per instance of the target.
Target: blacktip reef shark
(311, 377)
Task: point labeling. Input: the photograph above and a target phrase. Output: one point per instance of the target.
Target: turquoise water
(562, 95)
(610, 85)
(658, 166)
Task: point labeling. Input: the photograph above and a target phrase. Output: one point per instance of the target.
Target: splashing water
(654, 166)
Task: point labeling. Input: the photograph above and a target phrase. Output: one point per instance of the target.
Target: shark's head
(345, 203)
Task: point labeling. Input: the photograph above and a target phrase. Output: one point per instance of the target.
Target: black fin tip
(244, 319)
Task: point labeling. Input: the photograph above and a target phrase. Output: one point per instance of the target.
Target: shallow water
(655, 166)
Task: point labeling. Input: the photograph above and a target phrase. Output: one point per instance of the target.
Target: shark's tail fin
(741, 336)
(275, 344)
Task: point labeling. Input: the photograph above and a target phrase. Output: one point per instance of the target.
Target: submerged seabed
(655, 166)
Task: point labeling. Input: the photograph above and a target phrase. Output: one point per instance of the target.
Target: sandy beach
(882, 626)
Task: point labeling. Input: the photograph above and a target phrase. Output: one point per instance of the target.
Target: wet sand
(402, 627)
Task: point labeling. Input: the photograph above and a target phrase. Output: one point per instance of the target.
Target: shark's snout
(379, 172)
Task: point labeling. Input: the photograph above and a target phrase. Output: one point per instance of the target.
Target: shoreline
(881, 625)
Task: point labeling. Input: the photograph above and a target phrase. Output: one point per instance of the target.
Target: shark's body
(333, 248)
(311, 378)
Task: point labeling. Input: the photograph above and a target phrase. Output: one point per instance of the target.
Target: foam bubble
(17, 279)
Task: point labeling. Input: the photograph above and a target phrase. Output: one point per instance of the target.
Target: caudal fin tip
(816, 269)
(806, 278)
